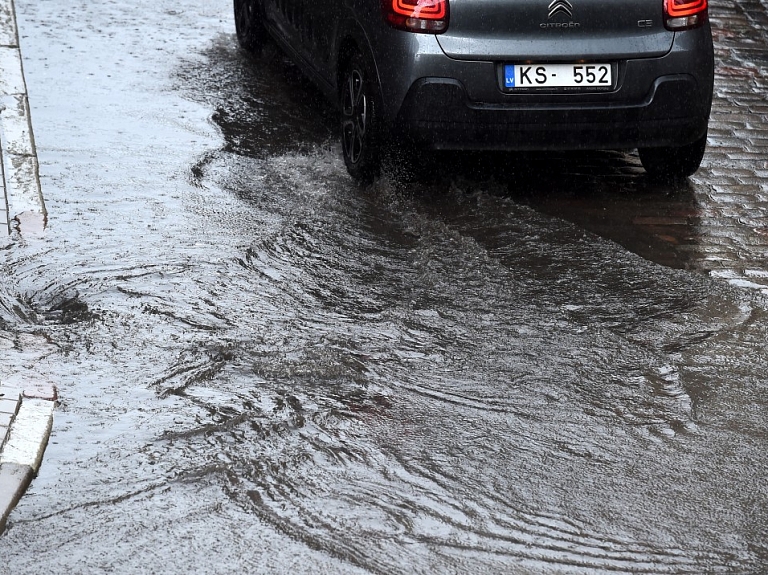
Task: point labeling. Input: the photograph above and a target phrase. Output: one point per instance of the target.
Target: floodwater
(264, 369)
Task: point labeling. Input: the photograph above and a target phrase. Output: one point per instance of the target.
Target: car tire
(248, 25)
(673, 163)
(360, 119)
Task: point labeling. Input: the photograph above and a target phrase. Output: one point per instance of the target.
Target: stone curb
(24, 208)
(26, 419)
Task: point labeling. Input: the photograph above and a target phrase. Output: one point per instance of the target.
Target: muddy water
(265, 369)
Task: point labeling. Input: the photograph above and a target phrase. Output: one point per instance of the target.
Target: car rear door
(555, 30)
(306, 28)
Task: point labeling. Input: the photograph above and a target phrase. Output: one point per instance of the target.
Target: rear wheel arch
(352, 39)
(347, 49)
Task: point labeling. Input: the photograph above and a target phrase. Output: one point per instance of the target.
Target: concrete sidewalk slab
(26, 419)
(8, 32)
(14, 480)
(29, 434)
(12, 78)
(10, 400)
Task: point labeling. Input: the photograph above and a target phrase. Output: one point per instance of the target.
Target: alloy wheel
(355, 107)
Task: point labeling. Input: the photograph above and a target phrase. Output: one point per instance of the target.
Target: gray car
(503, 74)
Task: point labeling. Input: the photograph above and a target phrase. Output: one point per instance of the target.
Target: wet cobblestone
(732, 186)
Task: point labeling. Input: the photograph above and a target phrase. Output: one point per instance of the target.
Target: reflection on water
(604, 192)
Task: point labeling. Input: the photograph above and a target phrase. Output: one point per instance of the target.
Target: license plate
(558, 76)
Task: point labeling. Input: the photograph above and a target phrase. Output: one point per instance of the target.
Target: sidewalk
(22, 204)
(26, 415)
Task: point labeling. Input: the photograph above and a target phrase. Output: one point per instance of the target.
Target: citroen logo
(560, 7)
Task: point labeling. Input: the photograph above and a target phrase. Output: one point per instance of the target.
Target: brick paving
(732, 186)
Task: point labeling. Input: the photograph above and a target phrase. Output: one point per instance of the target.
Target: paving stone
(29, 435)
(721, 151)
(12, 80)
(14, 480)
(22, 184)
(7, 24)
(37, 390)
(5, 423)
(9, 405)
(16, 126)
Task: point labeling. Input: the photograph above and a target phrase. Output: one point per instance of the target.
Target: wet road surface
(264, 369)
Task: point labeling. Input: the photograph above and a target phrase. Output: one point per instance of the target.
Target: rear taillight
(425, 16)
(682, 14)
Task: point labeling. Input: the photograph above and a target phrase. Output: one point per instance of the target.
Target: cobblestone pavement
(733, 216)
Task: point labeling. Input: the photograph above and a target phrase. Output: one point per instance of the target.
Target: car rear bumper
(438, 113)
(446, 103)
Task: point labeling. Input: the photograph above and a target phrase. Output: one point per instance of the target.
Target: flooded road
(265, 369)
